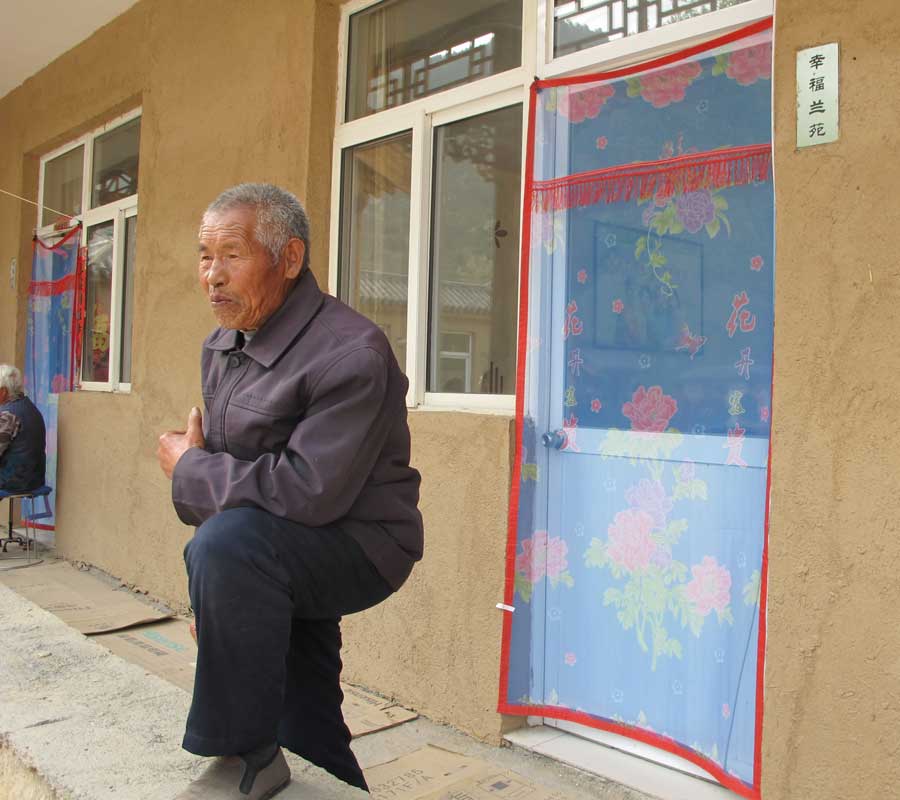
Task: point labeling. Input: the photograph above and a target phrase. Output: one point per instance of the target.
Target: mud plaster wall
(437, 641)
(229, 96)
(832, 709)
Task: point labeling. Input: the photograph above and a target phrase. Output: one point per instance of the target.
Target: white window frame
(423, 115)
(116, 212)
(646, 45)
(460, 355)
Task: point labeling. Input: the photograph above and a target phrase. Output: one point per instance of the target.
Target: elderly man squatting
(298, 479)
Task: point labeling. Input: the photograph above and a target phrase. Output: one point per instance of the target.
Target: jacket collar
(281, 329)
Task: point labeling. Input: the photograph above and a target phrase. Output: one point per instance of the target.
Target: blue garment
(268, 595)
(23, 464)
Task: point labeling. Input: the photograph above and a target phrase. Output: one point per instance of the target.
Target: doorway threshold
(663, 782)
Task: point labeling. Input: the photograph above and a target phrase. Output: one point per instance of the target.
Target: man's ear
(294, 252)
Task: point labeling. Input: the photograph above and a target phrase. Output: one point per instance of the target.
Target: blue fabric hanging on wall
(50, 352)
(636, 559)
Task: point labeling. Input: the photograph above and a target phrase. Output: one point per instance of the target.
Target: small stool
(29, 542)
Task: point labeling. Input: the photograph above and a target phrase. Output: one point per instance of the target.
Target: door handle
(555, 439)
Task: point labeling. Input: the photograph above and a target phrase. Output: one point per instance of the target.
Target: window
(375, 235)
(406, 49)
(428, 164)
(578, 24)
(474, 250)
(95, 180)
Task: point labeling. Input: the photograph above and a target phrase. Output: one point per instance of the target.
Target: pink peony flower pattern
(630, 544)
(750, 64)
(662, 88)
(570, 659)
(596, 405)
(618, 306)
(581, 104)
(651, 497)
(602, 142)
(756, 263)
(650, 409)
(695, 209)
(710, 587)
(59, 384)
(542, 555)
(582, 276)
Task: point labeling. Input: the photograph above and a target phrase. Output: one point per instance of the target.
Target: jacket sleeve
(322, 469)
(9, 428)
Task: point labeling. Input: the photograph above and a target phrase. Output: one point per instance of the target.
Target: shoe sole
(275, 791)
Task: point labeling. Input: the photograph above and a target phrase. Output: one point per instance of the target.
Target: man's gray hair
(11, 380)
(280, 216)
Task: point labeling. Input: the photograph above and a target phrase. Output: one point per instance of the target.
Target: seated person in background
(22, 436)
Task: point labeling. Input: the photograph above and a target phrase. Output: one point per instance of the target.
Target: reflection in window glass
(95, 360)
(115, 172)
(374, 249)
(401, 50)
(62, 185)
(127, 300)
(475, 254)
(578, 24)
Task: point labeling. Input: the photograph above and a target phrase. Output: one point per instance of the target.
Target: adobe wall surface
(832, 708)
(436, 643)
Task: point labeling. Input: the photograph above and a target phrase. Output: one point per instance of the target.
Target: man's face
(236, 272)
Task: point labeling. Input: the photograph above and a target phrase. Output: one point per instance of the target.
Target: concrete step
(94, 726)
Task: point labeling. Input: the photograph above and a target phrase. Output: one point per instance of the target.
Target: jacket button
(234, 360)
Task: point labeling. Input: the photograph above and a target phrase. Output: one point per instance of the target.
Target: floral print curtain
(636, 558)
(51, 351)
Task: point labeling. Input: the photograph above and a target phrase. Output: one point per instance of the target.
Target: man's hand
(173, 444)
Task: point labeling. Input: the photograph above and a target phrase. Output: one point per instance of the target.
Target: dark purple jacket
(308, 422)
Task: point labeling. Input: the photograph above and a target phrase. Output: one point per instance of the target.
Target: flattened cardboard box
(365, 712)
(167, 649)
(433, 773)
(79, 599)
(164, 648)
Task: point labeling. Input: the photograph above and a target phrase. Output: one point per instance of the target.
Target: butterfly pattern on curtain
(636, 555)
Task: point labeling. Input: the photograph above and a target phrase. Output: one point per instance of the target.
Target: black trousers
(268, 595)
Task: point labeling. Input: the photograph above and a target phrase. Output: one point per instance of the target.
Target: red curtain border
(503, 705)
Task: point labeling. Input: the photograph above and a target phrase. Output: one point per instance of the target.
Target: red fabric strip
(521, 358)
(727, 780)
(713, 169)
(662, 61)
(48, 288)
(763, 599)
(78, 317)
(56, 245)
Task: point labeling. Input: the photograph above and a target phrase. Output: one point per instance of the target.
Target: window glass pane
(95, 362)
(62, 185)
(374, 254)
(401, 50)
(115, 169)
(127, 300)
(579, 24)
(475, 254)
